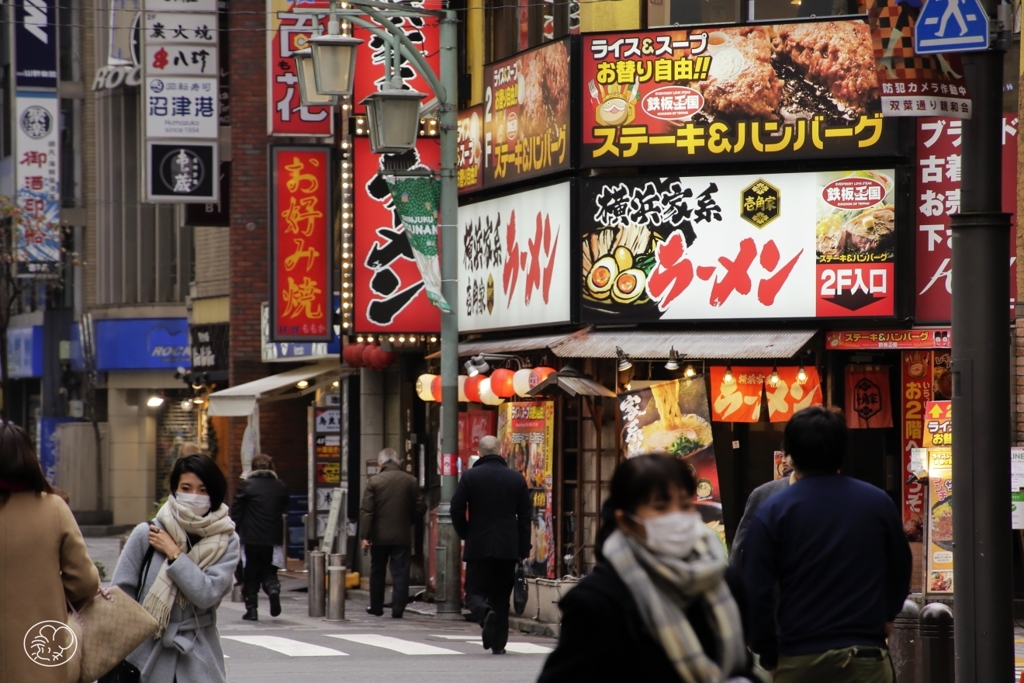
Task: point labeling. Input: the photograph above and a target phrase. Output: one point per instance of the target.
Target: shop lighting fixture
(624, 362)
(185, 405)
(198, 401)
(401, 340)
(302, 384)
(470, 368)
(336, 384)
(801, 375)
(689, 372)
(369, 339)
(155, 401)
(729, 379)
(673, 360)
(433, 340)
(773, 379)
(359, 339)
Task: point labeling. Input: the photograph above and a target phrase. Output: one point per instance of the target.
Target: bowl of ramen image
(942, 524)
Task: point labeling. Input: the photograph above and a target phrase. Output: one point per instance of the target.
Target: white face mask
(198, 503)
(673, 534)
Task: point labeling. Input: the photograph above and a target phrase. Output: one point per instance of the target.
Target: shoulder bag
(521, 590)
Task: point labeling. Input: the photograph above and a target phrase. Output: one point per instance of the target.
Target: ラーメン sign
(800, 245)
(301, 243)
(731, 93)
(515, 260)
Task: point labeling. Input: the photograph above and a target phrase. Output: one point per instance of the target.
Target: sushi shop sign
(515, 261)
(798, 245)
(732, 93)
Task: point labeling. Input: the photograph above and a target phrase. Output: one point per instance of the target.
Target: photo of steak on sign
(732, 93)
(717, 247)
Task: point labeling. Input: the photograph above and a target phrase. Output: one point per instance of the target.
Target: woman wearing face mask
(180, 566)
(656, 607)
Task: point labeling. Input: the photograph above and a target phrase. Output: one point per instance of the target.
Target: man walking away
(497, 534)
(757, 497)
(836, 549)
(260, 502)
(391, 505)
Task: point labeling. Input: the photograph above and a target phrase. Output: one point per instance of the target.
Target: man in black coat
(497, 535)
(259, 503)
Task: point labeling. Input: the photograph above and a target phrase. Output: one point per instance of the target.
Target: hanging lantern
(538, 375)
(424, 387)
(472, 388)
(435, 388)
(487, 395)
(501, 383)
(462, 389)
(353, 354)
(521, 382)
(384, 358)
(368, 355)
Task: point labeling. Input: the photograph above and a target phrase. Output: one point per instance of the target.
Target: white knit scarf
(214, 532)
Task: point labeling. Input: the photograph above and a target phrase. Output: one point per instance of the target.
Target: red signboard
(287, 32)
(939, 146)
(301, 244)
(389, 291)
(856, 340)
(371, 56)
(471, 145)
(915, 393)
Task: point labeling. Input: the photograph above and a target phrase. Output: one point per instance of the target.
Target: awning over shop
(239, 401)
(708, 345)
(511, 346)
(572, 383)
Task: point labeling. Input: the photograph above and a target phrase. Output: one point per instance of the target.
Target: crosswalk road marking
(287, 646)
(406, 647)
(519, 648)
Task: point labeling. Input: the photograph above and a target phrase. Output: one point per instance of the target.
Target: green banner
(417, 201)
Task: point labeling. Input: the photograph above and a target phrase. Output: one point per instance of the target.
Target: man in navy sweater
(835, 548)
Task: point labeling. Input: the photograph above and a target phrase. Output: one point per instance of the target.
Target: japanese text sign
(736, 393)
(855, 340)
(527, 115)
(915, 393)
(938, 424)
(514, 260)
(189, 6)
(301, 244)
(940, 521)
(735, 247)
(35, 43)
(791, 392)
(176, 28)
(287, 32)
(179, 172)
(733, 93)
(182, 60)
(37, 183)
(868, 399)
(390, 294)
(182, 107)
(939, 147)
(471, 170)
(371, 57)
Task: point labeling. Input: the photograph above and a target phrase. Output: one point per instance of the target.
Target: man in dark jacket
(260, 502)
(497, 534)
(391, 504)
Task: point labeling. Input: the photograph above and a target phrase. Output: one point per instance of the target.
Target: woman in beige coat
(42, 560)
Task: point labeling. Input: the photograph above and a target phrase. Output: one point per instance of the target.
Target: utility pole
(983, 586)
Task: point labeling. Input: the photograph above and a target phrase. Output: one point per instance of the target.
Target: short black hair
(639, 480)
(206, 469)
(816, 438)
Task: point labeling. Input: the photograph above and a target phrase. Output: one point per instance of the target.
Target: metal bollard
(317, 569)
(336, 588)
(937, 644)
(905, 643)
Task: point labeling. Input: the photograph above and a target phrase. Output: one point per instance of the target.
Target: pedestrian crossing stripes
(290, 647)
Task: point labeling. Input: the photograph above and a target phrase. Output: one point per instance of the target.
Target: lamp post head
(334, 63)
(394, 120)
(308, 95)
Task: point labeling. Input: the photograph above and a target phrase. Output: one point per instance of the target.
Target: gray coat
(757, 496)
(190, 647)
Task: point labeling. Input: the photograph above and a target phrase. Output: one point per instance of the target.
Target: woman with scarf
(657, 606)
(180, 567)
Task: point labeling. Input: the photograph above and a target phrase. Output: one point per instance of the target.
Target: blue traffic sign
(951, 26)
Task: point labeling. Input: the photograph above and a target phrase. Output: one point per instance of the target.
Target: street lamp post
(390, 108)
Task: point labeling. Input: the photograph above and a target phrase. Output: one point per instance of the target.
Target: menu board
(526, 433)
(327, 462)
(938, 438)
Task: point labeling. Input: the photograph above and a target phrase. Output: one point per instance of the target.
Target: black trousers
(400, 557)
(489, 584)
(259, 571)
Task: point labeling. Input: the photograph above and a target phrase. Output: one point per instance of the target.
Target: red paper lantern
(384, 358)
(353, 354)
(539, 375)
(501, 383)
(368, 354)
(472, 389)
(435, 388)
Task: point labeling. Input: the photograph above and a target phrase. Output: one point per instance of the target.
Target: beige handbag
(109, 628)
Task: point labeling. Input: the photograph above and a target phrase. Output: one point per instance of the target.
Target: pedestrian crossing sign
(951, 26)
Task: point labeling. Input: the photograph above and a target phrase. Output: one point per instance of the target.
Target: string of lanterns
(490, 390)
(364, 355)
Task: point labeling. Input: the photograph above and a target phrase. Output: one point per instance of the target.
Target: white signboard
(175, 28)
(190, 6)
(514, 260)
(37, 178)
(181, 60)
(179, 107)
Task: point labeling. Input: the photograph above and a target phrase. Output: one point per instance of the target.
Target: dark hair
(816, 438)
(263, 462)
(19, 465)
(206, 469)
(640, 480)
